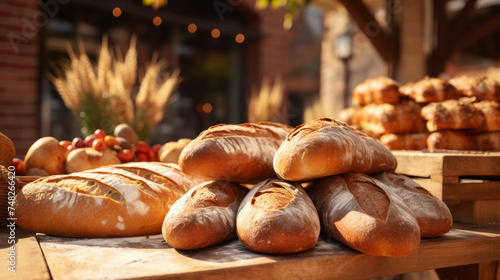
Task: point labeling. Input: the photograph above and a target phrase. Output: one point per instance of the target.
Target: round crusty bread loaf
(433, 216)
(204, 216)
(240, 153)
(365, 215)
(325, 147)
(108, 202)
(277, 217)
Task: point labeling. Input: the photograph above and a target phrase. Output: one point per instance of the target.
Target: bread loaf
(392, 118)
(109, 202)
(491, 112)
(89, 158)
(204, 216)
(365, 215)
(433, 216)
(487, 141)
(405, 141)
(452, 114)
(325, 147)
(376, 90)
(478, 86)
(350, 116)
(430, 90)
(239, 153)
(450, 140)
(277, 217)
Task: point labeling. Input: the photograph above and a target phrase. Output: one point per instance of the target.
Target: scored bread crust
(277, 217)
(405, 141)
(325, 147)
(392, 118)
(108, 202)
(376, 90)
(450, 140)
(365, 215)
(433, 216)
(240, 153)
(204, 216)
(430, 90)
(452, 114)
(478, 86)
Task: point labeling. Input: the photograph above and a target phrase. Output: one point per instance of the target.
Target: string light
(117, 12)
(157, 20)
(240, 38)
(192, 28)
(215, 33)
(207, 108)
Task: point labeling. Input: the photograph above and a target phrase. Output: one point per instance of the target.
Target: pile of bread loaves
(272, 186)
(462, 113)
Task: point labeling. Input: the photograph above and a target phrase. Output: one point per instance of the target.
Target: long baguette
(325, 147)
(277, 217)
(365, 215)
(204, 216)
(239, 153)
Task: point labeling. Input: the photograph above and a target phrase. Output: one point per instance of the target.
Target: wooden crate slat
(476, 212)
(471, 191)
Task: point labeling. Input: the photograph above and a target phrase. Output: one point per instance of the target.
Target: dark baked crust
(365, 215)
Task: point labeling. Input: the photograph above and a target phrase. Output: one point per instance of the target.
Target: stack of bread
(460, 114)
(274, 187)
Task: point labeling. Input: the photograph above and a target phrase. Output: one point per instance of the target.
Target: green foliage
(293, 7)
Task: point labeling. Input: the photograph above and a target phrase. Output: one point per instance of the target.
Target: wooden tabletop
(149, 257)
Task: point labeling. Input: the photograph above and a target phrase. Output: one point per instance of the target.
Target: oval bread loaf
(365, 215)
(107, 202)
(240, 153)
(204, 216)
(277, 217)
(325, 147)
(433, 216)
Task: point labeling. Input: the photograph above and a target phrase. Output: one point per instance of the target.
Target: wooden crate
(468, 182)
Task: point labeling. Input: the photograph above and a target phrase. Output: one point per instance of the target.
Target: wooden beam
(478, 31)
(371, 28)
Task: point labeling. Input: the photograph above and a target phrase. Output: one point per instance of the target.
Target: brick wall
(19, 72)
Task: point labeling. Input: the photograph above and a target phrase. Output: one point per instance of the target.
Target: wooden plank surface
(151, 258)
(425, 164)
(28, 258)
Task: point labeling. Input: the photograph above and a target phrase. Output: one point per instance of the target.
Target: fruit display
(48, 156)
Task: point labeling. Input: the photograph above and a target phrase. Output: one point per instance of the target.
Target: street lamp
(343, 50)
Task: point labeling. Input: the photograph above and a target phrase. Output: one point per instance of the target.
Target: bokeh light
(215, 33)
(192, 28)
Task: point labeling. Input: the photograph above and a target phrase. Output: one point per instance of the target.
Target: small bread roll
(325, 147)
(204, 216)
(365, 214)
(450, 140)
(88, 158)
(376, 90)
(433, 216)
(452, 114)
(170, 152)
(277, 217)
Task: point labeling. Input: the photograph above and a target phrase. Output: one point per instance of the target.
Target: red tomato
(100, 134)
(156, 148)
(20, 166)
(141, 156)
(142, 147)
(99, 145)
(78, 142)
(89, 140)
(126, 155)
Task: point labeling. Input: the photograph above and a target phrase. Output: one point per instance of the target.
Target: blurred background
(238, 60)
